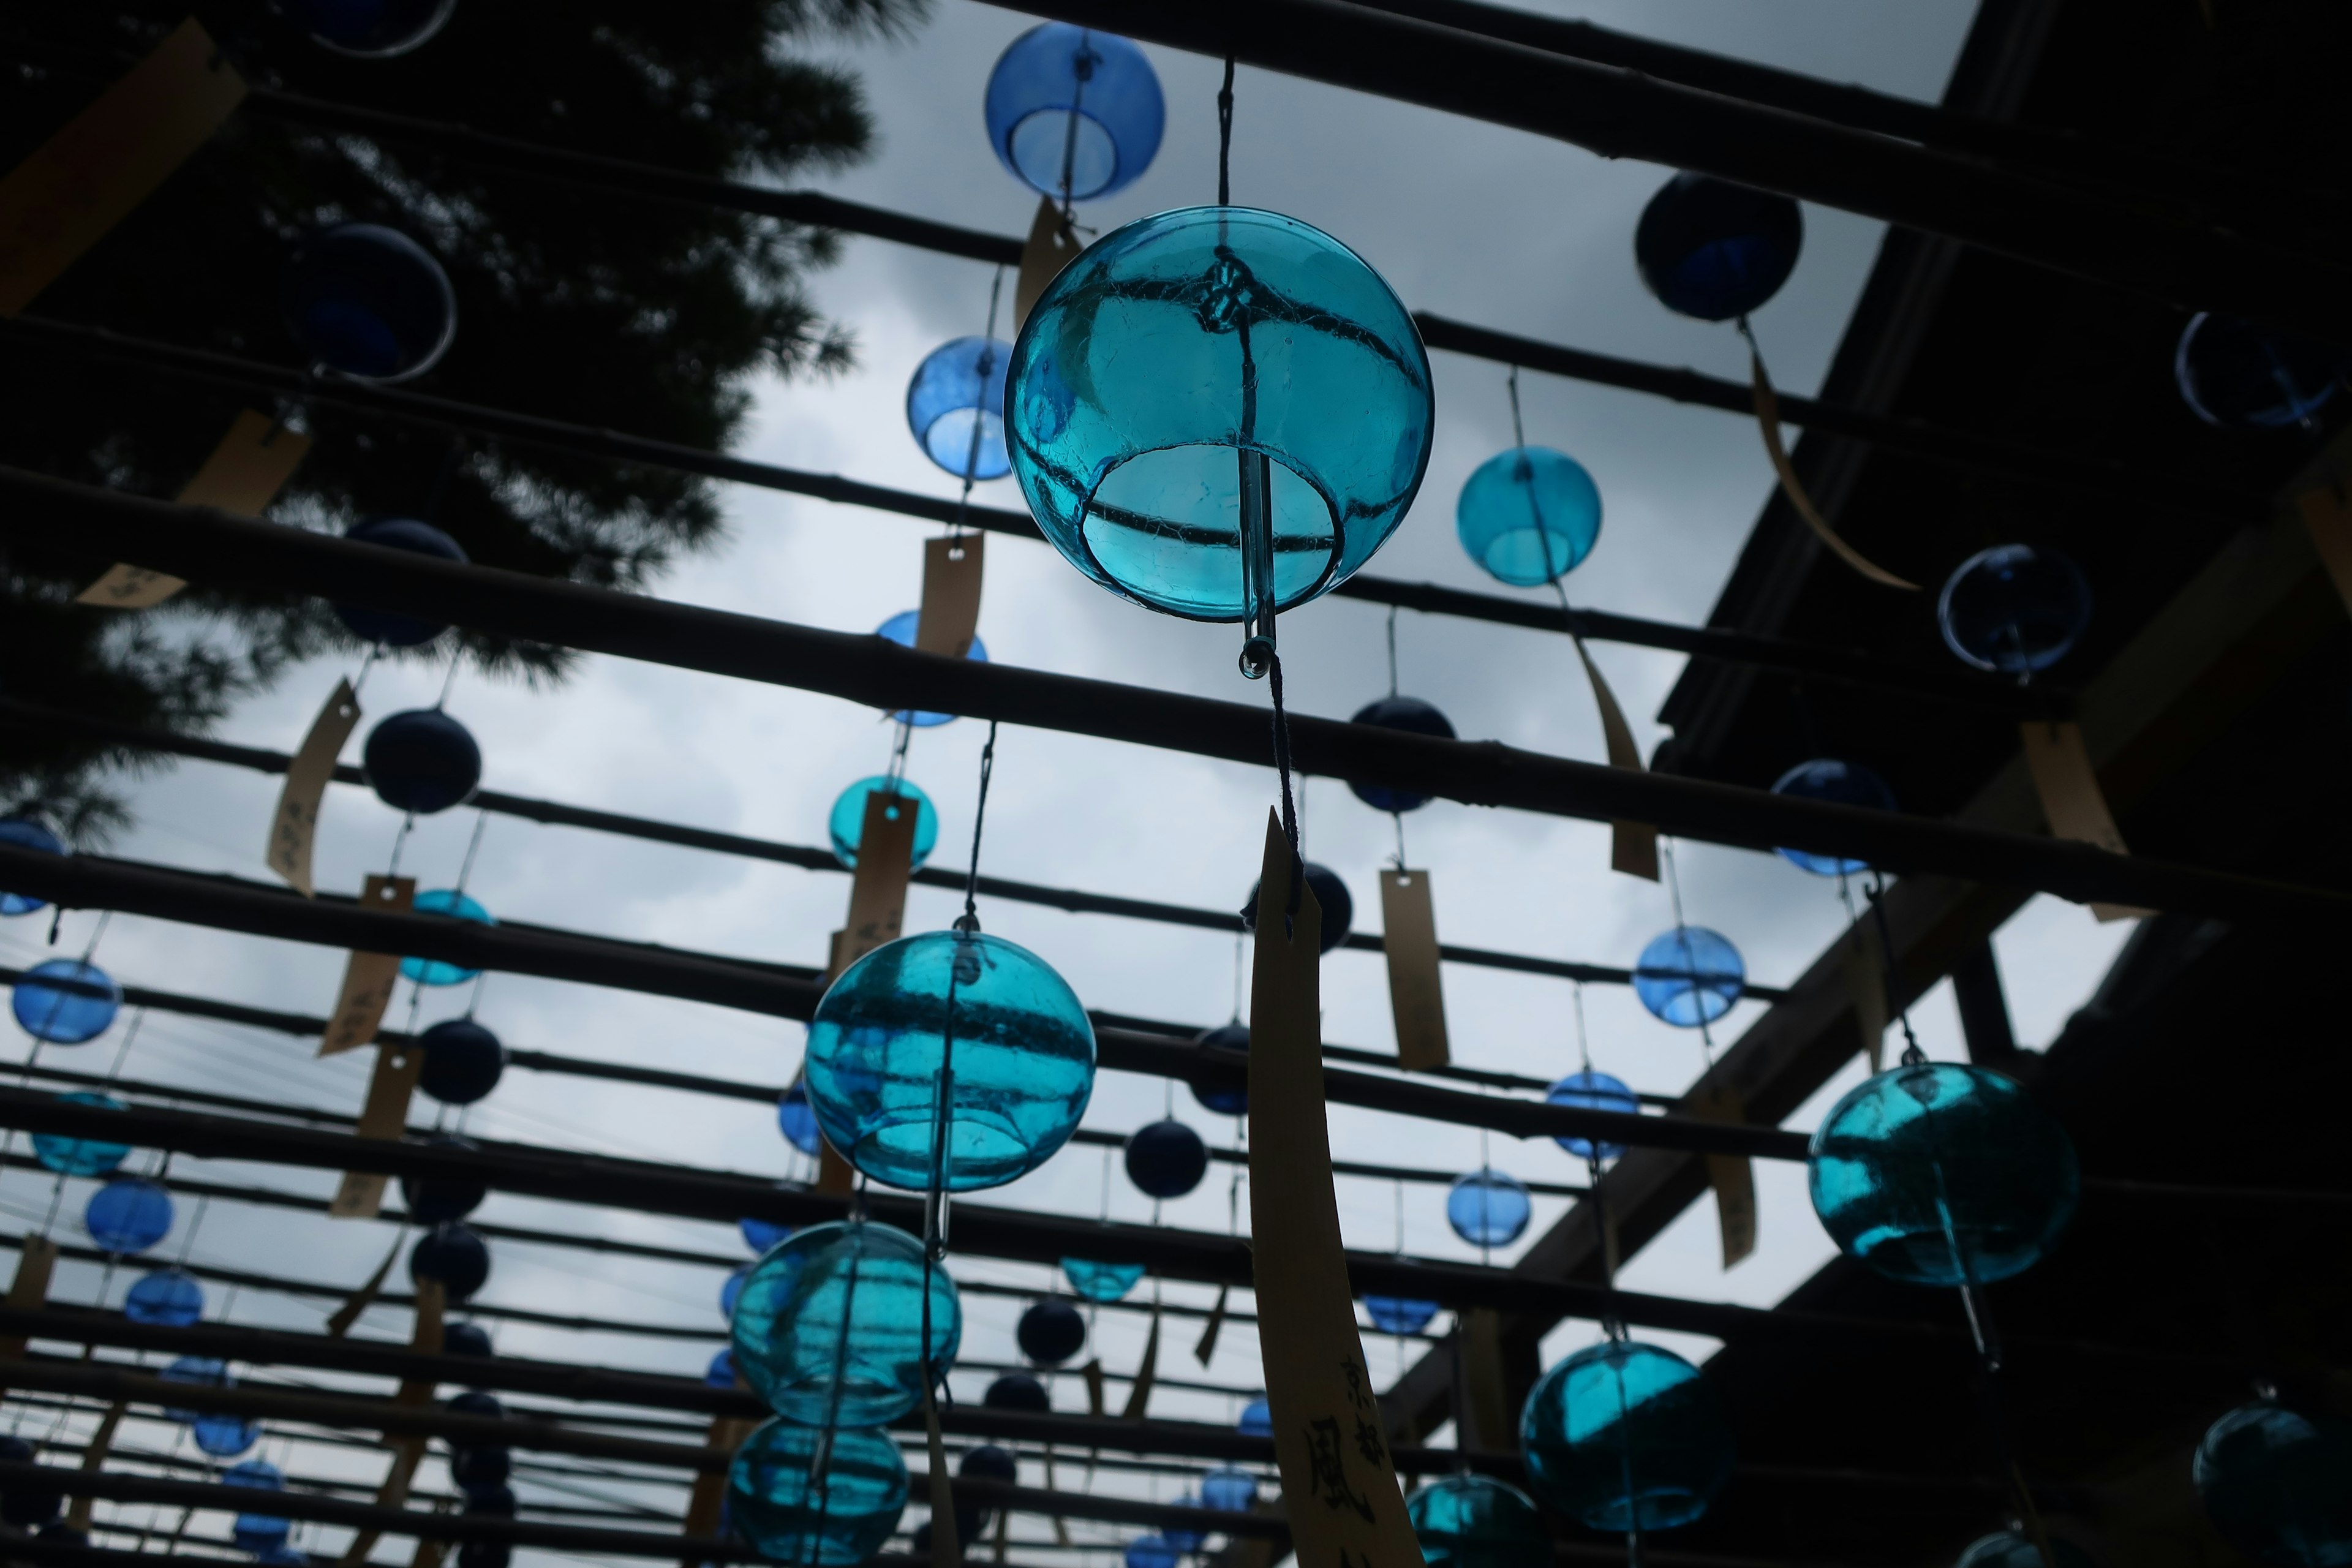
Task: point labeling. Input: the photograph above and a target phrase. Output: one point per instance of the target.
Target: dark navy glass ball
(1227, 1102)
(435, 1200)
(463, 1061)
(65, 1002)
(1839, 783)
(1102, 1281)
(1165, 1160)
(816, 1499)
(1399, 1314)
(1414, 717)
(1331, 896)
(1017, 1390)
(491, 1553)
(465, 1339)
(1688, 976)
(1051, 1331)
(1477, 1521)
(1489, 1208)
(478, 1402)
(484, 1467)
(1939, 1171)
(395, 628)
(130, 1214)
(81, 1156)
(25, 833)
(2275, 1483)
(1715, 250)
(1074, 112)
(454, 1254)
(25, 1506)
(372, 30)
(456, 905)
(955, 407)
(422, 761)
(493, 1498)
(828, 1328)
(1590, 1091)
(989, 1463)
(1022, 1060)
(169, 1297)
(2234, 374)
(901, 630)
(369, 302)
(2015, 1549)
(1229, 1491)
(1528, 516)
(848, 823)
(2013, 610)
(1256, 1418)
(797, 1120)
(1622, 1436)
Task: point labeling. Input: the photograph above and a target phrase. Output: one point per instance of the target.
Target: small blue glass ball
(955, 407)
(1229, 1491)
(1331, 896)
(759, 1235)
(2013, 610)
(1528, 516)
(284, 1556)
(1622, 1435)
(847, 824)
(1688, 976)
(1151, 1552)
(223, 1436)
(1489, 1208)
(1232, 1101)
(2272, 1482)
(1017, 1390)
(1051, 1331)
(796, 1120)
(171, 1296)
(465, 1339)
(1477, 1521)
(422, 761)
(454, 1254)
(65, 1002)
(730, 1289)
(1399, 1314)
(369, 302)
(1198, 354)
(81, 1156)
(1414, 717)
(455, 905)
(1166, 1159)
(208, 1371)
(370, 29)
(24, 833)
(130, 1214)
(788, 1327)
(1256, 1419)
(1181, 1538)
(1102, 1281)
(720, 1373)
(1023, 1063)
(395, 628)
(1590, 1091)
(901, 628)
(255, 1532)
(1936, 1172)
(2015, 1549)
(2232, 373)
(1715, 250)
(830, 1515)
(463, 1061)
(1839, 783)
(1074, 113)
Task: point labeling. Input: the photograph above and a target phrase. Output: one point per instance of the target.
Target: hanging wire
(988, 367)
(1912, 1055)
(1289, 805)
(1225, 137)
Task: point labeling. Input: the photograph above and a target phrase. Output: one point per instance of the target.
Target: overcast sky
(1484, 224)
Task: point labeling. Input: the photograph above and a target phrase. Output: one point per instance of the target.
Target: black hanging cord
(1289, 805)
(969, 920)
(1912, 1055)
(1225, 137)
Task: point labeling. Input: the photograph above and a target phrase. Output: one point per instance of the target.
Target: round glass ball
(1715, 250)
(81, 1156)
(422, 761)
(1528, 516)
(25, 833)
(1016, 1391)
(1194, 358)
(1622, 1435)
(796, 1120)
(208, 1371)
(436, 1199)
(1051, 1331)
(463, 1061)
(465, 1339)
(1166, 1159)
(1489, 1208)
(1477, 1521)
(1022, 1061)
(370, 29)
(828, 1328)
(2013, 610)
(2272, 1482)
(1182, 1537)
(1232, 1099)
(1074, 113)
(128, 1215)
(2015, 1549)
(369, 302)
(1414, 717)
(901, 628)
(1837, 783)
(848, 823)
(1331, 897)
(65, 1002)
(1589, 1090)
(1938, 1172)
(454, 1254)
(223, 1436)
(832, 1514)
(1102, 1281)
(169, 1297)
(1229, 1491)
(720, 1373)
(761, 1234)
(395, 628)
(730, 1289)
(1688, 976)
(1150, 1552)
(1399, 1314)
(454, 905)
(25, 1506)
(2232, 373)
(255, 1532)
(1256, 1418)
(955, 407)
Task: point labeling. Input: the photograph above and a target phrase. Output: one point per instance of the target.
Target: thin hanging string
(448, 681)
(895, 773)
(969, 920)
(1912, 1055)
(1518, 431)
(1584, 1047)
(1698, 994)
(988, 368)
(366, 664)
(1237, 977)
(1392, 660)
(1289, 805)
(1225, 137)
(399, 842)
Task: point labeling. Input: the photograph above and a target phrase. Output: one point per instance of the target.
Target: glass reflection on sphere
(848, 823)
(797, 1122)
(1414, 717)
(369, 302)
(829, 1515)
(1477, 1521)
(1622, 1435)
(1938, 1172)
(901, 628)
(2015, 1549)
(1101, 1281)
(130, 1214)
(1229, 1491)
(81, 1156)
(452, 905)
(463, 1061)
(422, 761)
(65, 1002)
(372, 30)
(1229, 1100)
(1399, 1314)
(1688, 976)
(1528, 516)
(1074, 113)
(25, 833)
(1256, 1418)
(2272, 1482)
(2234, 374)
(1022, 1067)
(395, 628)
(2013, 610)
(1206, 363)
(1489, 1208)
(1589, 1090)
(1838, 783)
(1715, 250)
(171, 1296)
(828, 1328)
(955, 407)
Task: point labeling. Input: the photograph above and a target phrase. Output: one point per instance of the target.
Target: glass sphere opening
(1102, 1281)
(955, 407)
(369, 302)
(2232, 373)
(1528, 516)
(2013, 610)
(1073, 111)
(1399, 1314)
